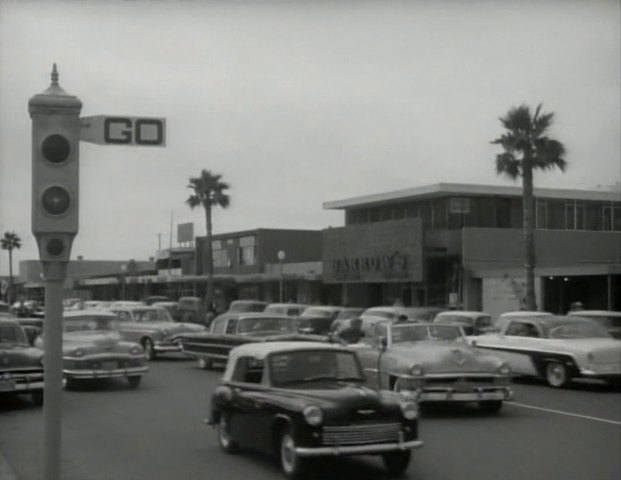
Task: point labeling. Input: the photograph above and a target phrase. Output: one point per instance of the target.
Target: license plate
(463, 386)
(109, 365)
(7, 385)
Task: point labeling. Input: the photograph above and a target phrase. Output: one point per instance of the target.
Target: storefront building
(457, 245)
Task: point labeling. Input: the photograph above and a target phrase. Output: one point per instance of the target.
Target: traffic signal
(55, 170)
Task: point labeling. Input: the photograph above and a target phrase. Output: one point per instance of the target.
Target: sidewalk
(6, 472)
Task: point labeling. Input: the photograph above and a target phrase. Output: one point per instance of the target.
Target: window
(220, 255)
(611, 218)
(247, 251)
(231, 327)
(541, 214)
(574, 215)
(248, 370)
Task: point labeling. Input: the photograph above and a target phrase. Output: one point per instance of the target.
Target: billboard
(185, 232)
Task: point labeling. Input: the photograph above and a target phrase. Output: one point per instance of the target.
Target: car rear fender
(541, 361)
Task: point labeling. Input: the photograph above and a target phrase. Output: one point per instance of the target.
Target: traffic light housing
(55, 170)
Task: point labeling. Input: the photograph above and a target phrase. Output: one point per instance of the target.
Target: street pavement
(156, 432)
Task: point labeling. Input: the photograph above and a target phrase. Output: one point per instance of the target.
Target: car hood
(172, 327)
(19, 356)
(440, 357)
(337, 399)
(93, 343)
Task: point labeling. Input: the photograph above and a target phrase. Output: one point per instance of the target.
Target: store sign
(379, 252)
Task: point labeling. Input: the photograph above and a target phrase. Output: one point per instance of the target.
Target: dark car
(302, 399)
(21, 365)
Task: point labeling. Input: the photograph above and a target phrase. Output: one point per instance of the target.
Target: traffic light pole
(54, 274)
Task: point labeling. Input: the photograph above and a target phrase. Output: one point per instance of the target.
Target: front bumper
(371, 449)
(453, 395)
(164, 347)
(5, 387)
(100, 373)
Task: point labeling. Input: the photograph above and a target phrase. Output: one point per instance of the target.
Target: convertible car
(153, 328)
(232, 330)
(556, 348)
(93, 350)
(303, 399)
(21, 366)
(434, 363)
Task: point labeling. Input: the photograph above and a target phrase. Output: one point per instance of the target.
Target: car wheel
(204, 363)
(556, 374)
(224, 437)
(396, 463)
(134, 381)
(37, 397)
(290, 463)
(490, 406)
(149, 350)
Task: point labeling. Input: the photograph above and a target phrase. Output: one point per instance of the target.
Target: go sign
(121, 130)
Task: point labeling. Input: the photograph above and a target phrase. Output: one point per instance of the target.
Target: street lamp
(281, 258)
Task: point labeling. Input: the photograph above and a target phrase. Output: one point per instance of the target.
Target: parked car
(471, 322)
(556, 348)
(153, 328)
(608, 319)
(96, 304)
(290, 309)
(192, 310)
(172, 307)
(21, 365)
(151, 299)
(93, 349)
(314, 325)
(235, 329)
(434, 363)
(504, 318)
(419, 314)
(300, 400)
(326, 311)
(244, 306)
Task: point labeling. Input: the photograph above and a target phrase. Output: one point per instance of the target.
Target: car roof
(525, 313)
(81, 313)
(595, 313)
(553, 320)
(462, 313)
(262, 349)
(304, 305)
(137, 307)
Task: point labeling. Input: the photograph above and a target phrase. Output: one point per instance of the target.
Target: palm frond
(508, 165)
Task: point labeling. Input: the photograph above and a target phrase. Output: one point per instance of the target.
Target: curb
(6, 472)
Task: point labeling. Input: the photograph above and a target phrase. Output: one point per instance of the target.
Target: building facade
(461, 246)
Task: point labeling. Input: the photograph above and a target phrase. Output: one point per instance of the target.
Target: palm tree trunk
(10, 289)
(209, 253)
(529, 233)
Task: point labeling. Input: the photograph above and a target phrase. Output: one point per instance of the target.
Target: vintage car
(290, 309)
(96, 304)
(303, 399)
(504, 318)
(419, 314)
(229, 331)
(608, 319)
(93, 349)
(153, 328)
(471, 322)
(192, 310)
(556, 348)
(434, 363)
(21, 365)
(172, 307)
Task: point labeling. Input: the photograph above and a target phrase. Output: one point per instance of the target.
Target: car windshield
(246, 307)
(255, 325)
(12, 335)
(90, 323)
(418, 333)
(152, 315)
(314, 365)
(576, 329)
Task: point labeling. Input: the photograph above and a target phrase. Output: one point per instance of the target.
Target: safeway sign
(121, 130)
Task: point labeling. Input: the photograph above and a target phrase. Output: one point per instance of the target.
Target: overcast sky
(299, 103)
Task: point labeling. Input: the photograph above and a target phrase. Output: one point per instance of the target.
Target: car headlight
(504, 369)
(416, 370)
(409, 410)
(78, 352)
(136, 350)
(313, 415)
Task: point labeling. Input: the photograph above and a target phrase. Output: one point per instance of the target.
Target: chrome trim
(358, 449)
(27, 386)
(94, 374)
(167, 348)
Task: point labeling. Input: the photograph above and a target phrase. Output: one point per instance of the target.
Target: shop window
(611, 218)
(247, 251)
(503, 213)
(574, 215)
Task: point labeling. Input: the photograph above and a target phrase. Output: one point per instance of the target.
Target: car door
(515, 345)
(368, 350)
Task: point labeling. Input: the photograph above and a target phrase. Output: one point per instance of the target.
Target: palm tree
(209, 191)
(527, 148)
(9, 242)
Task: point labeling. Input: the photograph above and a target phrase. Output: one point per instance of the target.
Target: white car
(556, 348)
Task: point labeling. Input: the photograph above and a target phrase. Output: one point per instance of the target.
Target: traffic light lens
(56, 200)
(55, 247)
(56, 148)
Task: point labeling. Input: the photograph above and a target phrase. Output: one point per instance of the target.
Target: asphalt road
(156, 432)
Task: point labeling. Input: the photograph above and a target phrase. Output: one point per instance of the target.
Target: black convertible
(306, 399)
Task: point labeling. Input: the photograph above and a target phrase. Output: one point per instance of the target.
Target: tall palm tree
(527, 148)
(209, 191)
(9, 242)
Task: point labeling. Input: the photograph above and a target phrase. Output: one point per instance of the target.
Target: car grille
(22, 375)
(464, 382)
(361, 434)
